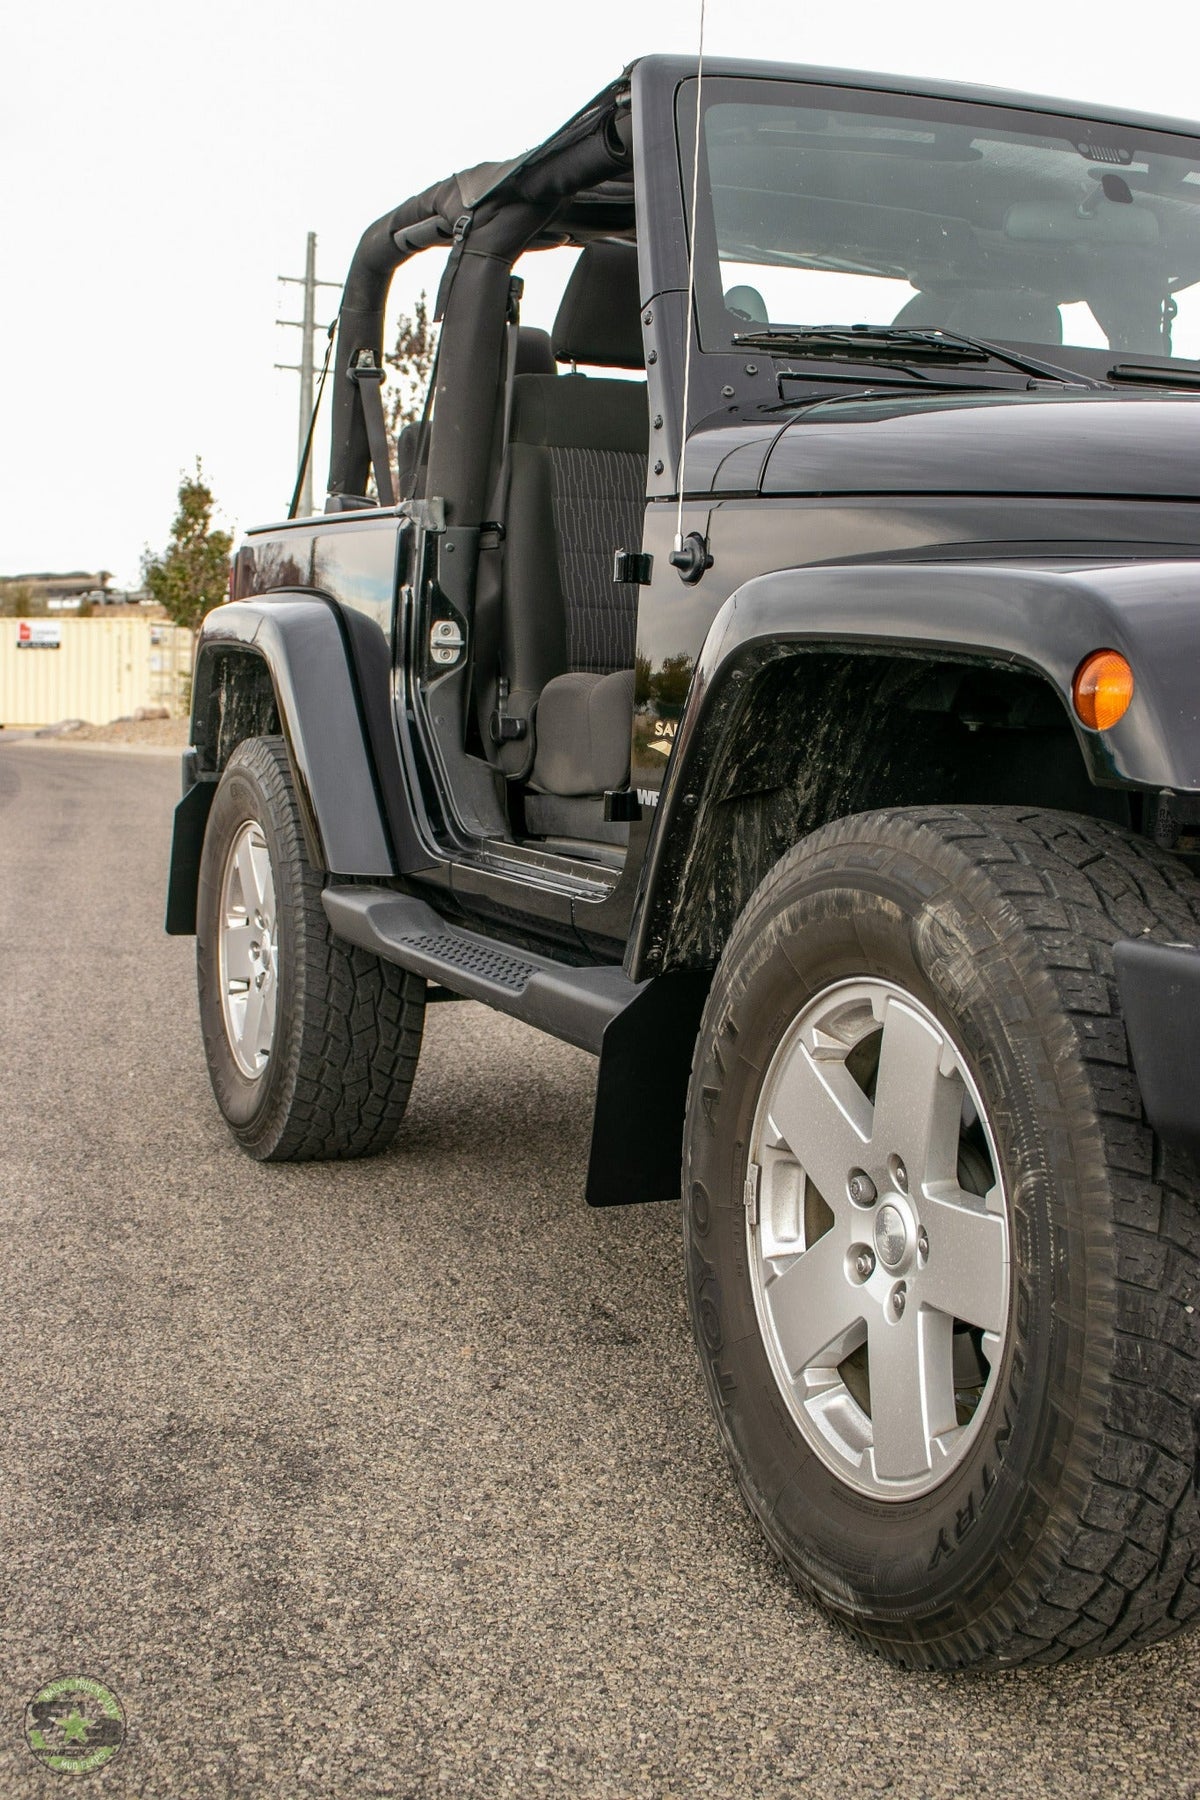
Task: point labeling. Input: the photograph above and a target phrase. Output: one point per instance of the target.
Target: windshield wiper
(1155, 375)
(899, 343)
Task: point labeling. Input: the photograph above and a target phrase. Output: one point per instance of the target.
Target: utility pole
(306, 326)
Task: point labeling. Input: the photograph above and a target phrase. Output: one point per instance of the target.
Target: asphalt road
(396, 1478)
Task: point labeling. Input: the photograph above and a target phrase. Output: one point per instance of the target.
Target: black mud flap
(187, 842)
(641, 1092)
(1159, 986)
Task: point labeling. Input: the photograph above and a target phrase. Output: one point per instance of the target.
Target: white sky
(162, 164)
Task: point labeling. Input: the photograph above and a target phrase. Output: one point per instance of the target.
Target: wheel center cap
(891, 1236)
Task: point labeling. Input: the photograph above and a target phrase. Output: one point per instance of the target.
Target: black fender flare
(1042, 617)
(299, 641)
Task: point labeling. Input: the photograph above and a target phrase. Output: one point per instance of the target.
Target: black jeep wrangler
(800, 710)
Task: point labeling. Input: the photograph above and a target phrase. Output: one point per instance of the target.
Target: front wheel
(941, 1276)
(312, 1044)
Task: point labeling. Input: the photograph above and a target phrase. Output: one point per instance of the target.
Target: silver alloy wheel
(878, 1238)
(248, 955)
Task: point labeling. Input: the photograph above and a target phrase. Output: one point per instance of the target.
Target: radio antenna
(691, 285)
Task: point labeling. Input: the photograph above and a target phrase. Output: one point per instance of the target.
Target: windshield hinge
(635, 566)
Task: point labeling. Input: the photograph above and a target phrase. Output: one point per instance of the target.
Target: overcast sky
(162, 165)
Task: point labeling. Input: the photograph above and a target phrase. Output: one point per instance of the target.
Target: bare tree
(410, 364)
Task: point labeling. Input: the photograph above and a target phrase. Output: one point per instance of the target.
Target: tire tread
(1128, 1574)
(351, 1065)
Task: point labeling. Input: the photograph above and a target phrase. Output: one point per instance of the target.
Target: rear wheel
(312, 1045)
(942, 1277)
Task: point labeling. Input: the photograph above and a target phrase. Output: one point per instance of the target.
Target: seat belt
(496, 727)
(368, 378)
(516, 287)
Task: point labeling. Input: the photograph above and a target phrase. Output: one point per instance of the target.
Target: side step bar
(644, 1032)
(573, 1004)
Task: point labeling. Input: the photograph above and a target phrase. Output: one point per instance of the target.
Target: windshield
(831, 206)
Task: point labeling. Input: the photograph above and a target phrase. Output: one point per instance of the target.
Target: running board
(644, 1032)
(570, 1003)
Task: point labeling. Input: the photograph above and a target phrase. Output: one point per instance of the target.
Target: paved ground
(396, 1479)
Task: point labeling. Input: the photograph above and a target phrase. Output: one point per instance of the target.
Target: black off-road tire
(1071, 1526)
(348, 1025)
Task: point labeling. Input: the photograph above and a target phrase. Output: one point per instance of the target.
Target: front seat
(534, 357)
(577, 484)
(1010, 314)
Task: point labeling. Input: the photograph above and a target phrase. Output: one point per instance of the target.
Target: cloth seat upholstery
(577, 473)
(534, 357)
(583, 727)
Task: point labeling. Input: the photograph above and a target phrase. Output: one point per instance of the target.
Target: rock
(61, 729)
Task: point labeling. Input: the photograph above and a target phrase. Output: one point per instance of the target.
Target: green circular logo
(74, 1725)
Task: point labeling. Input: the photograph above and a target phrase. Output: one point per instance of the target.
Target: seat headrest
(534, 355)
(1029, 318)
(599, 320)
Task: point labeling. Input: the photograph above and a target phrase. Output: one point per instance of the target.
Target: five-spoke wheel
(941, 1277)
(311, 1044)
(248, 949)
(878, 1237)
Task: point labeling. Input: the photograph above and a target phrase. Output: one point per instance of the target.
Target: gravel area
(395, 1478)
(122, 734)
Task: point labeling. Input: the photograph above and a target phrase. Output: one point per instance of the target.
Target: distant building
(76, 584)
(76, 590)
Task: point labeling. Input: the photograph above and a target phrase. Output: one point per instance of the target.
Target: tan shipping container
(96, 669)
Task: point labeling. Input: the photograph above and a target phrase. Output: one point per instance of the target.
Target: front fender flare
(1044, 618)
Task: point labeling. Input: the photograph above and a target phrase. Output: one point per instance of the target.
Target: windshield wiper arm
(860, 343)
(1155, 375)
(899, 343)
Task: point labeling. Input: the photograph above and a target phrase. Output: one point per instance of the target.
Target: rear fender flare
(298, 642)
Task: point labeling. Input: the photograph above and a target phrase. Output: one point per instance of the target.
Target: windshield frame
(716, 329)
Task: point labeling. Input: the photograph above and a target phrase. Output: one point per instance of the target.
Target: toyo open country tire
(311, 1045)
(912, 1079)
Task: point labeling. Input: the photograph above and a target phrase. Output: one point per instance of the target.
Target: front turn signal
(1102, 689)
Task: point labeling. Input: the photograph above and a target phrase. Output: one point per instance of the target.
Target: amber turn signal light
(1102, 689)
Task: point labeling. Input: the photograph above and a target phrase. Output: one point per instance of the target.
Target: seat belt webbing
(368, 378)
(490, 580)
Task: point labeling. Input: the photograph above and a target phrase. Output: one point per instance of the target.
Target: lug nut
(899, 1174)
(922, 1243)
(861, 1189)
(864, 1265)
(898, 1301)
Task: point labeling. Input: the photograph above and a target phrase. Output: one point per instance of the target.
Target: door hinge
(622, 806)
(636, 566)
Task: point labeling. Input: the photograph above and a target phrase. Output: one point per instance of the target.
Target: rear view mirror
(1058, 222)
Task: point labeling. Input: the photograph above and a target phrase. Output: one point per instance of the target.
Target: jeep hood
(1095, 444)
